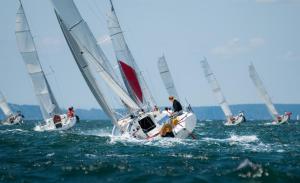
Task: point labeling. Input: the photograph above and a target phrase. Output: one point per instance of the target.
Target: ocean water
(252, 152)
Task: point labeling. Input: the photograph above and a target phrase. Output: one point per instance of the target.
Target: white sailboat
(138, 124)
(166, 77)
(211, 79)
(133, 78)
(278, 119)
(10, 117)
(52, 115)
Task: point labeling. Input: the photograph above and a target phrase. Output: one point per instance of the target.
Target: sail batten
(262, 91)
(25, 42)
(211, 79)
(166, 77)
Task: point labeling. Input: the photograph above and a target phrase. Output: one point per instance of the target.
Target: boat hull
(16, 121)
(149, 125)
(65, 124)
(238, 120)
(284, 119)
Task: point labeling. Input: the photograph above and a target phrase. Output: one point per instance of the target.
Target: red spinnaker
(132, 79)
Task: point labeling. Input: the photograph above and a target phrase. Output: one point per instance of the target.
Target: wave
(248, 169)
(235, 138)
(13, 130)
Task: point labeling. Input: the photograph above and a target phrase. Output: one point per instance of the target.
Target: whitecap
(249, 169)
(91, 156)
(243, 138)
(13, 130)
(50, 154)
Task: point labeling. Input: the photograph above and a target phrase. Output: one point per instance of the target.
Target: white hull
(17, 120)
(66, 123)
(284, 119)
(148, 125)
(237, 120)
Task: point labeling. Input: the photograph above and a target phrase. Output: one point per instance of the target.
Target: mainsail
(85, 70)
(216, 88)
(262, 91)
(167, 77)
(132, 76)
(4, 106)
(83, 43)
(48, 104)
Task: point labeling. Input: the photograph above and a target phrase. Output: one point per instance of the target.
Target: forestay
(48, 104)
(131, 74)
(4, 106)
(209, 75)
(166, 77)
(262, 91)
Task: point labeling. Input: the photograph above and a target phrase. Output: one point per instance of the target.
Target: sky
(230, 34)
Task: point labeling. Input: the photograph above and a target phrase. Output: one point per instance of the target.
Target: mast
(4, 106)
(211, 79)
(166, 77)
(47, 101)
(262, 91)
(131, 74)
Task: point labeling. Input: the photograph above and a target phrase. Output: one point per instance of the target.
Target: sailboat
(133, 78)
(278, 119)
(10, 117)
(211, 79)
(166, 77)
(138, 123)
(52, 115)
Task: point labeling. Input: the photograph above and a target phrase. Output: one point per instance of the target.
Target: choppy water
(252, 152)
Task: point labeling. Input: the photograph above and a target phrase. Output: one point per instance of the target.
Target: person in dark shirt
(176, 105)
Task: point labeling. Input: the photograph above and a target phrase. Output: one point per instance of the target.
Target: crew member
(71, 112)
(176, 105)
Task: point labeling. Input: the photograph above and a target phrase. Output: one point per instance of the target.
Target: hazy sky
(230, 33)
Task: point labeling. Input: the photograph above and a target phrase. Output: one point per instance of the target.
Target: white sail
(4, 106)
(79, 29)
(166, 77)
(48, 104)
(87, 45)
(209, 75)
(262, 91)
(85, 69)
(131, 74)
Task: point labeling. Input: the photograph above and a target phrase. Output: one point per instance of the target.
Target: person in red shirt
(70, 113)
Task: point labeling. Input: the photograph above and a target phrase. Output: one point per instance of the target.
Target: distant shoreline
(252, 111)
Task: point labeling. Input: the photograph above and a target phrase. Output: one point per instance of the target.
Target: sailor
(166, 131)
(177, 108)
(70, 113)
